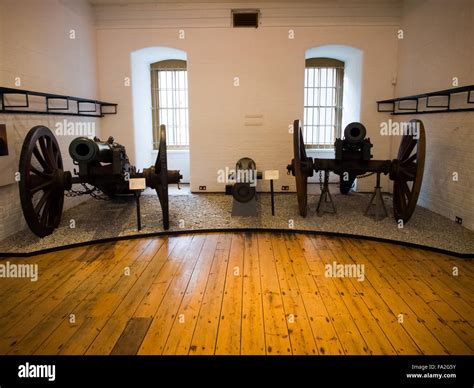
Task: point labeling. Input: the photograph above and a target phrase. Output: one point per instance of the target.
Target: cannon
(103, 165)
(353, 158)
(355, 147)
(243, 189)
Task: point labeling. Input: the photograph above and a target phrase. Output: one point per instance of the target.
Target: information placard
(271, 174)
(137, 184)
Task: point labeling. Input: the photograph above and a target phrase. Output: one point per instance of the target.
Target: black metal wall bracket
(93, 108)
(395, 107)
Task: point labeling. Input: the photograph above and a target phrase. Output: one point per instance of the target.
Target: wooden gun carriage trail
(353, 158)
(103, 165)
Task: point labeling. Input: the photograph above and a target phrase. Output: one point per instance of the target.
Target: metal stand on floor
(139, 217)
(272, 197)
(377, 203)
(325, 198)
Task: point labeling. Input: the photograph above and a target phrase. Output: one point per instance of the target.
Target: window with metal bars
(169, 97)
(322, 102)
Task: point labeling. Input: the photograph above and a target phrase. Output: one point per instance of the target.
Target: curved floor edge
(236, 230)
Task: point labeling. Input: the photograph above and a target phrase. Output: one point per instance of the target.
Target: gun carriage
(353, 158)
(103, 165)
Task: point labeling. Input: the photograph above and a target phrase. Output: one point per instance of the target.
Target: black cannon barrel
(355, 133)
(85, 150)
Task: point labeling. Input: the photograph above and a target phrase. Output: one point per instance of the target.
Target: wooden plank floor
(239, 293)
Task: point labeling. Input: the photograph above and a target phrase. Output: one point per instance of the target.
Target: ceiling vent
(245, 18)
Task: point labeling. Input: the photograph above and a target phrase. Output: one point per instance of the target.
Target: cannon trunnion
(353, 158)
(103, 165)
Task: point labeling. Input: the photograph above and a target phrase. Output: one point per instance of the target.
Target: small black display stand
(271, 175)
(272, 197)
(137, 202)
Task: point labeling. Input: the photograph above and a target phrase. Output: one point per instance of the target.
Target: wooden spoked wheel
(302, 168)
(161, 169)
(42, 181)
(408, 171)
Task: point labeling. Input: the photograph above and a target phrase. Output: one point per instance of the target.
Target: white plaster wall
(35, 46)
(178, 160)
(437, 46)
(228, 122)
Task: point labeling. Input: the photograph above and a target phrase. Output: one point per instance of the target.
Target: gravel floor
(96, 220)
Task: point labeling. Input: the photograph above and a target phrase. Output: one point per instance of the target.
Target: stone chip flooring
(96, 220)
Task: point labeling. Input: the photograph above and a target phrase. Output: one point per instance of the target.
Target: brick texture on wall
(429, 58)
(449, 157)
(36, 49)
(17, 127)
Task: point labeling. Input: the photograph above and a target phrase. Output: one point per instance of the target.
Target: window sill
(320, 151)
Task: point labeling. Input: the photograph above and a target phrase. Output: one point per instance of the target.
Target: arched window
(169, 98)
(323, 96)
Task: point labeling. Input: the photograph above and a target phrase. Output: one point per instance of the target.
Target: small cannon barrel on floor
(244, 185)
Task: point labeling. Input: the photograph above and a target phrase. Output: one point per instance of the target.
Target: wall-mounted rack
(396, 107)
(78, 107)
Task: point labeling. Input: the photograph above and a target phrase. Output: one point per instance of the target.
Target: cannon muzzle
(355, 133)
(85, 150)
